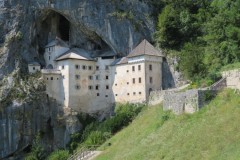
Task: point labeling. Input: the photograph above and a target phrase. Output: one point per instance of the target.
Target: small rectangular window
(97, 77)
(133, 68)
(90, 87)
(115, 84)
(139, 80)
(127, 83)
(97, 87)
(83, 67)
(107, 87)
(106, 77)
(33, 68)
(128, 94)
(49, 57)
(77, 76)
(127, 71)
(89, 67)
(134, 93)
(77, 66)
(62, 67)
(106, 95)
(98, 94)
(140, 92)
(90, 77)
(116, 95)
(133, 80)
(150, 80)
(77, 87)
(150, 67)
(97, 67)
(139, 67)
(51, 78)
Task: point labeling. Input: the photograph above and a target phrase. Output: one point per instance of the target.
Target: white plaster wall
(63, 66)
(105, 98)
(31, 70)
(54, 87)
(55, 52)
(85, 99)
(123, 86)
(232, 78)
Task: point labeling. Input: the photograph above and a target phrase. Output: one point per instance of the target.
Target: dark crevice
(64, 28)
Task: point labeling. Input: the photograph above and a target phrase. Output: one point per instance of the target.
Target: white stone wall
(63, 67)
(34, 68)
(232, 78)
(55, 88)
(124, 87)
(80, 82)
(51, 53)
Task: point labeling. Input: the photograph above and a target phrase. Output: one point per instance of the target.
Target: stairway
(219, 84)
(85, 153)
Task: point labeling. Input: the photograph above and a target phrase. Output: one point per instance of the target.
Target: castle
(88, 82)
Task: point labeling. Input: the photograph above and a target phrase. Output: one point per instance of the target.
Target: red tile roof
(145, 48)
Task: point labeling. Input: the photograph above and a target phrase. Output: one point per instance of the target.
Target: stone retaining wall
(186, 102)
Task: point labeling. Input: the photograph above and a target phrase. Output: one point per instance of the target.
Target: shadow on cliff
(168, 79)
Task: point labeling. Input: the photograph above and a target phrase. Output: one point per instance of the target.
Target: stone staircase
(85, 153)
(219, 84)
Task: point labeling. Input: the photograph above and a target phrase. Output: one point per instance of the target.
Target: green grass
(212, 133)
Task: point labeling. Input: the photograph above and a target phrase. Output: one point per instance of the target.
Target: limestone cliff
(26, 26)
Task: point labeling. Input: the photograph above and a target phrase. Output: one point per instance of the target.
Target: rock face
(26, 26)
(27, 111)
(20, 123)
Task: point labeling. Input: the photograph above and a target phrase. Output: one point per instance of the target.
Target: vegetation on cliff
(211, 133)
(96, 133)
(203, 34)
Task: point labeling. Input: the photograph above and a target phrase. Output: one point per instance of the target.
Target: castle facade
(90, 82)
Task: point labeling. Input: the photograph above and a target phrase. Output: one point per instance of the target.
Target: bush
(59, 155)
(97, 138)
(97, 133)
(38, 152)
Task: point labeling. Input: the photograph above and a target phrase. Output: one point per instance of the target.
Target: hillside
(212, 133)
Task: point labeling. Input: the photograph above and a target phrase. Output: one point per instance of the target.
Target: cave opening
(53, 24)
(64, 28)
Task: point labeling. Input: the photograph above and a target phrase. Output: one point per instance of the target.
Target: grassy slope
(212, 133)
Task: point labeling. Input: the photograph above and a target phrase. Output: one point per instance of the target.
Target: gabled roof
(75, 53)
(145, 48)
(118, 61)
(57, 42)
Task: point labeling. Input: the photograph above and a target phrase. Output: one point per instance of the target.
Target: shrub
(38, 152)
(59, 155)
(97, 138)
(97, 133)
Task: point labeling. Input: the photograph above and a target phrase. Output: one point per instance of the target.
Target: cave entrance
(53, 25)
(64, 28)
